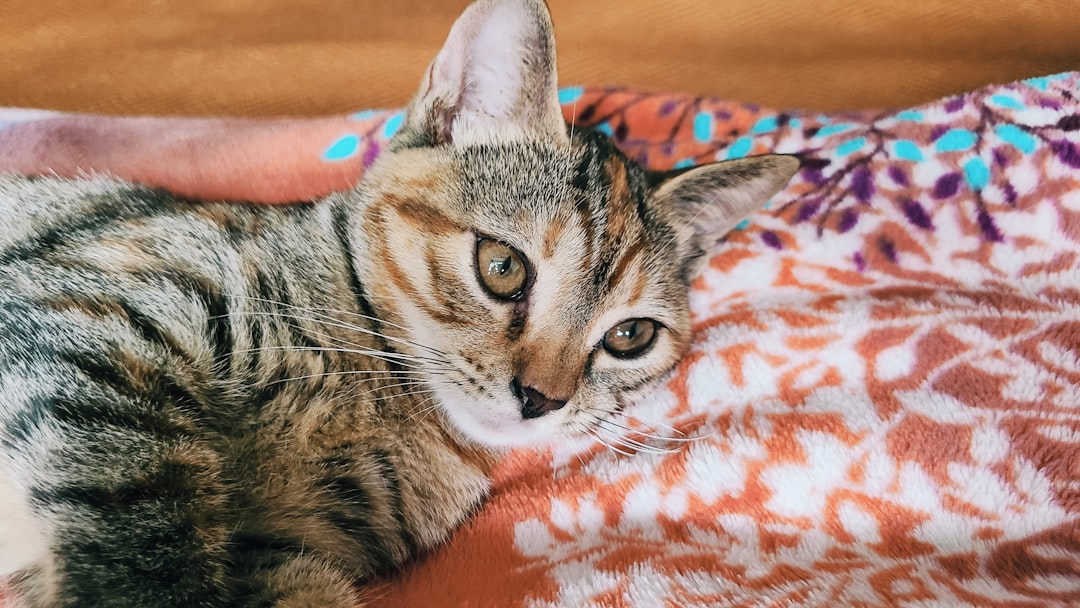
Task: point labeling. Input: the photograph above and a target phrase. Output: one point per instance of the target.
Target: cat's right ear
(708, 201)
(493, 81)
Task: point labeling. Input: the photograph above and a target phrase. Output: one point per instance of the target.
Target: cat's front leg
(299, 581)
(127, 521)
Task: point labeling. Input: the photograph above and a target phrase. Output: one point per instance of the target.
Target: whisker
(323, 309)
(633, 443)
(338, 324)
(428, 391)
(424, 411)
(607, 445)
(651, 426)
(403, 382)
(375, 354)
(333, 321)
(577, 428)
(342, 341)
(620, 433)
(349, 372)
(441, 358)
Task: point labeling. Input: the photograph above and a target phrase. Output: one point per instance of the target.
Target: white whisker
(651, 426)
(323, 309)
(606, 444)
(341, 341)
(335, 323)
(323, 312)
(632, 443)
(375, 354)
(424, 410)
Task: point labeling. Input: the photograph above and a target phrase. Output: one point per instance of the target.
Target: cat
(209, 404)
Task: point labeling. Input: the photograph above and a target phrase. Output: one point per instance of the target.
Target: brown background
(271, 57)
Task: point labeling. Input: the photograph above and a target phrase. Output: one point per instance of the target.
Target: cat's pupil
(500, 266)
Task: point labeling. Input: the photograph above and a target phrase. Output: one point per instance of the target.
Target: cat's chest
(346, 476)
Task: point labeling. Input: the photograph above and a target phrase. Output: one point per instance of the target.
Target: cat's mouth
(522, 417)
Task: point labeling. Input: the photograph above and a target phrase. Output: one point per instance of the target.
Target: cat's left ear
(710, 200)
(493, 81)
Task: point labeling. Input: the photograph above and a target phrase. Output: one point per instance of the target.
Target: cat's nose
(534, 403)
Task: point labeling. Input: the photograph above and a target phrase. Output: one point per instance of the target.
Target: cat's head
(541, 274)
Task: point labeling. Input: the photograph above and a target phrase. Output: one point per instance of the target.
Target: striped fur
(234, 405)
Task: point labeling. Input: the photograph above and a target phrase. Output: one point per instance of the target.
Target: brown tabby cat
(243, 405)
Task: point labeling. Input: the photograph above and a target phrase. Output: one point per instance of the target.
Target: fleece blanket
(882, 402)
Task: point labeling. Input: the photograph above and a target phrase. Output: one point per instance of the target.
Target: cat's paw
(306, 582)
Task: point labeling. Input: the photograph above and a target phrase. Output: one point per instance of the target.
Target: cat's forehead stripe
(623, 264)
(407, 284)
(610, 214)
(551, 236)
(639, 287)
(422, 215)
(450, 292)
(586, 220)
(620, 204)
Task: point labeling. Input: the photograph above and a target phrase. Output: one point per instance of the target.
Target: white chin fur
(498, 425)
(24, 544)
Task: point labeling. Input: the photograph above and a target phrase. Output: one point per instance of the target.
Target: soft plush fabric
(261, 58)
(882, 402)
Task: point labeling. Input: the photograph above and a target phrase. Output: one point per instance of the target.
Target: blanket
(881, 406)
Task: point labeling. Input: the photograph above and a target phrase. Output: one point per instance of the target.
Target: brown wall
(267, 57)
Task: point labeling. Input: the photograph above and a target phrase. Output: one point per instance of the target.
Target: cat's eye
(630, 338)
(501, 269)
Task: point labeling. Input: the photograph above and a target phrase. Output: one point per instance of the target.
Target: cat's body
(229, 405)
(146, 344)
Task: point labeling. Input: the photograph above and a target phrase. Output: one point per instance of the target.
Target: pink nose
(534, 403)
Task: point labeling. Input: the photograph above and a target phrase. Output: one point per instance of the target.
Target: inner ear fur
(495, 80)
(709, 200)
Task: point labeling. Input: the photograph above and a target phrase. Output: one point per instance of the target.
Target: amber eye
(501, 269)
(630, 338)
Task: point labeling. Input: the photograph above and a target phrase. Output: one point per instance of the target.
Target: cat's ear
(710, 200)
(493, 81)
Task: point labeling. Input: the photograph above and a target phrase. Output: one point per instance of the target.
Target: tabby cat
(245, 405)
